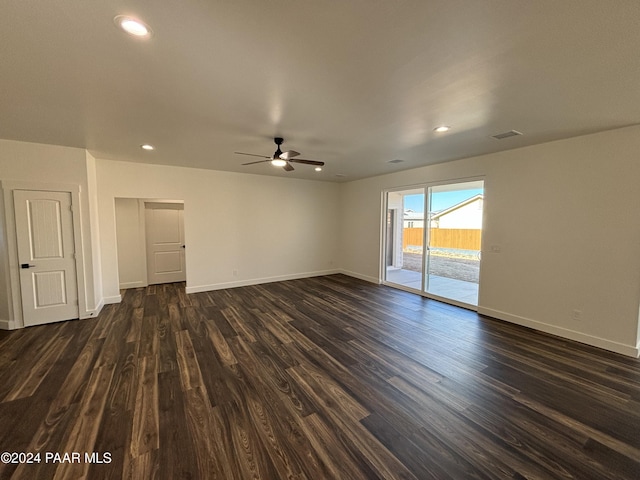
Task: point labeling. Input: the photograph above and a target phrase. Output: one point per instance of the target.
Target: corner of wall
(113, 299)
(366, 278)
(94, 228)
(93, 312)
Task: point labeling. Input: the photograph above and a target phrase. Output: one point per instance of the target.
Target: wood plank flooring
(321, 378)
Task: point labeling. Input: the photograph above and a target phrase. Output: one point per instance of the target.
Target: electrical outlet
(235, 273)
(576, 315)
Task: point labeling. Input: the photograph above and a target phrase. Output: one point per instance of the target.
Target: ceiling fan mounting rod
(278, 152)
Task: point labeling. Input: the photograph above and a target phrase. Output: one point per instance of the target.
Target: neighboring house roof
(413, 215)
(457, 206)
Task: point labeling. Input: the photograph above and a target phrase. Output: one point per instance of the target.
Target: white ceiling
(353, 83)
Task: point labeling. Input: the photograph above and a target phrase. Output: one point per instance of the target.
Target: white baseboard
(114, 299)
(366, 278)
(257, 281)
(8, 325)
(628, 350)
(124, 286)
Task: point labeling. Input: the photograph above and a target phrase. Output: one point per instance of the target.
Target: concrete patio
(459, 290)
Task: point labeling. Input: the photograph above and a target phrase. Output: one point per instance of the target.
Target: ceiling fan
(280, 158)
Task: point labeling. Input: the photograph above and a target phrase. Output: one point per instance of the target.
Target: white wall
(48, 164)
(239, 228)
(130, 243)
(565, 217)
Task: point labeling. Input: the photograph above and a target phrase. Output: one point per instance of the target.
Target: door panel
(404, 238)
(165, 242)
(44, 228)
(453, 241)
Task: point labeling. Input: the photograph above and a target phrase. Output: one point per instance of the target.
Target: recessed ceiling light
(318, 169)
(132, 26)
(146, 146)
(442, 129)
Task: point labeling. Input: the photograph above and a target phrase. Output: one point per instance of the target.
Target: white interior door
(165, 242)
(44, 229)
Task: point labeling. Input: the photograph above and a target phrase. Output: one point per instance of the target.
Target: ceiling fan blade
(252, 155)
(289, 154)
(288, 167)
(307, 162)
(253, 163)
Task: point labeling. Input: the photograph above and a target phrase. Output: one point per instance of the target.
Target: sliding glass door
(436, 253)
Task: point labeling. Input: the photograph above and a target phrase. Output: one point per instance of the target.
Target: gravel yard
(467, 269)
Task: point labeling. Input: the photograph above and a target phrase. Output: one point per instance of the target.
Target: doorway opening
(150, 241)
(433, 246)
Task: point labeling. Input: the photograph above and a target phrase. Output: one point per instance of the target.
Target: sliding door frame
(425, 239)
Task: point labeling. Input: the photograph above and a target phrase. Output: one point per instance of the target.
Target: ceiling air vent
(397, 160)
(510, 133)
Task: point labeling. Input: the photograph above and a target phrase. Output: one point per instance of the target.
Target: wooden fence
(464, 239)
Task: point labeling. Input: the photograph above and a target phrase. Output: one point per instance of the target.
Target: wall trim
(258, 281)
(9, 325)
(628, 350)
(114, 299)
(360, 276)
(93, 313)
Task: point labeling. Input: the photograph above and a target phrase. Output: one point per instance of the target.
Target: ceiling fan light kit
(282, 159)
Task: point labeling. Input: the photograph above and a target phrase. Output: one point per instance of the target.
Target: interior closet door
(48, 281)
(165, 242)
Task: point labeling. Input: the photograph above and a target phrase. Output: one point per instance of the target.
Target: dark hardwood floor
(321, 378)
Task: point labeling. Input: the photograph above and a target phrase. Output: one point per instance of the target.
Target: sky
(440, 200)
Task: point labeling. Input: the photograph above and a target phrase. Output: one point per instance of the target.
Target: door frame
(16, 316)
